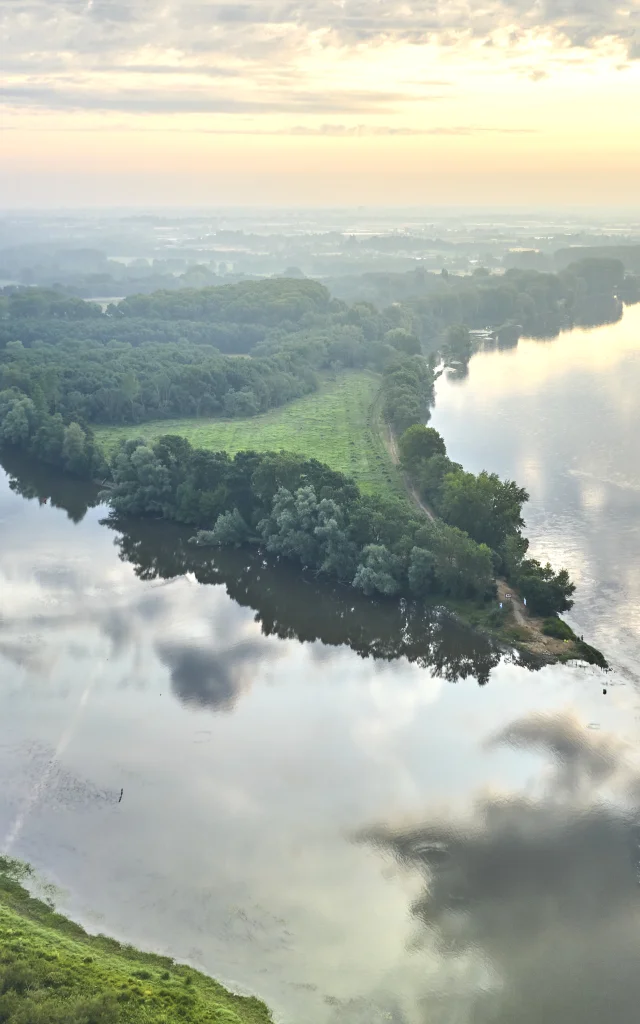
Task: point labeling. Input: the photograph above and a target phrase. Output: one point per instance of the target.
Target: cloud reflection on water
(541, 888)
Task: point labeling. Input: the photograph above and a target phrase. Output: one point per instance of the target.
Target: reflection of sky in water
(563, 419)
(354, 840)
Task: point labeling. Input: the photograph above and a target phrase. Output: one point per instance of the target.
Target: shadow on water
(288, 604)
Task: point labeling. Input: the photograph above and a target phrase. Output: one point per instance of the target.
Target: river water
(359, 813)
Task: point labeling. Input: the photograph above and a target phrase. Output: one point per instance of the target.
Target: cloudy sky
(326, 101)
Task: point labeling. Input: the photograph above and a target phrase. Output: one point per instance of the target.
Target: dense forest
(66, 364)
(302, 511)
(76, 360)
(174, 354)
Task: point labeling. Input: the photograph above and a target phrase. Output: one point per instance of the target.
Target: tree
(418, 444)
(378, 571)
(462, 566)
(290, 528)
(130, 387)
(74, 449)
(457, 346)
(18, 417)
(230, 530)
(141, 483)
(547, 593)
(485, 507)
(422, 571)
(338, 554)
(404, 341)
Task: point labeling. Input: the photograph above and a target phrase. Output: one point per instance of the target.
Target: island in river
(292, 506)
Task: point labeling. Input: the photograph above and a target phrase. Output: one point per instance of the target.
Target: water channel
(358, 815)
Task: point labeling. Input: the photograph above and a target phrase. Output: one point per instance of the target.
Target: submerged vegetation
(53, 972)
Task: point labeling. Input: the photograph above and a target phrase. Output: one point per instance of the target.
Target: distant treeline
(142, 360)
(174, 354)
(540, 303)
(627, 255)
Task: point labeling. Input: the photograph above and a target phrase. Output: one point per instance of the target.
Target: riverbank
(52, 970)
(507, 620)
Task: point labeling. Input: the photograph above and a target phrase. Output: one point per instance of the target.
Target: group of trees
(27, 424)
(489, 511)
(407, 392)
(116, 383)
(129, 365)
(303, 511)
(540, 303)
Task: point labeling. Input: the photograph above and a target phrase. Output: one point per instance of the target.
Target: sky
(321, 102)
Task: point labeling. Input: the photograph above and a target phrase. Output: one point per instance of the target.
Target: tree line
(112, 368)
(302, 511)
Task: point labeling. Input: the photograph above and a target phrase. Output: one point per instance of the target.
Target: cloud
(125, 25)
(541, 893)
(144, 101)
(210, 677)
(263, 45)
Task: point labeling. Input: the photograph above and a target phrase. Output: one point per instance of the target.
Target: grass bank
(52, 972)
(336, 425)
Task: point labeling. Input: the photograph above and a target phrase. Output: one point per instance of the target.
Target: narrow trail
(505, 592)
(390, 444)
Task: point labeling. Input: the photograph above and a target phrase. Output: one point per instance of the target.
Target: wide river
(320, 803)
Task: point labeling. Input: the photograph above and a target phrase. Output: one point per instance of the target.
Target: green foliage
(422, 574)
(52, 972)
(487, 510)
(457, 348)
(336, 425)
(418, 444)
(266, 302)
(160, 356)
(29, 426)
(407, 393)
(485, 507)
(557, 628)
(379, 571)
(600, 274)
(547, 593)
(302, 511)
(403, 340)
(230, 530)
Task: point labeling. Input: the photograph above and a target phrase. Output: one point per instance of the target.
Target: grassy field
(336, 425)
(52, 972)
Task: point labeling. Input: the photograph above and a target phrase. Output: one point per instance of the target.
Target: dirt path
(505, 593)
(390, 444)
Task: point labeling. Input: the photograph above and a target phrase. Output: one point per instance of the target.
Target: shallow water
(321, 805)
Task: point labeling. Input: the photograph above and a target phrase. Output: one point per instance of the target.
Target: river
(357, 814)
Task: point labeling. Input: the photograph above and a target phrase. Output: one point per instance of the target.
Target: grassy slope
(52, 972)
(336, 425)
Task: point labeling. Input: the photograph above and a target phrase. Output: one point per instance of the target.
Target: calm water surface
(321, 803)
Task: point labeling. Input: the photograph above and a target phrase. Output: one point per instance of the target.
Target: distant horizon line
(152, 209)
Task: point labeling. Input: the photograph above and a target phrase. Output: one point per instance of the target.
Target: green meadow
(337, 425)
